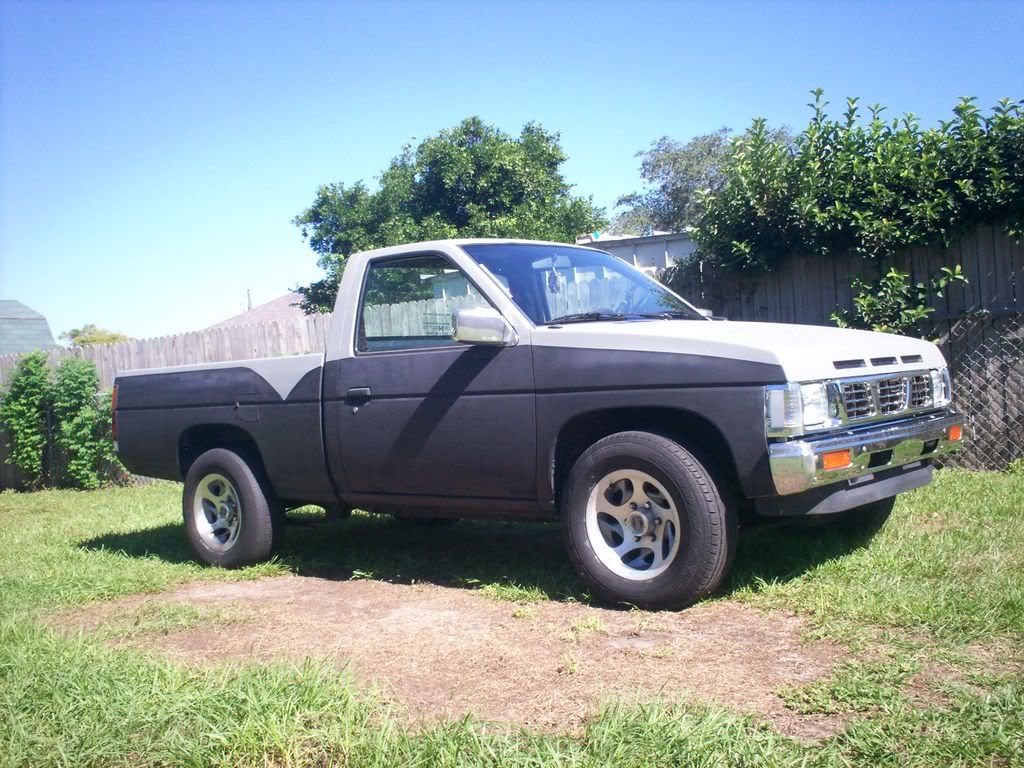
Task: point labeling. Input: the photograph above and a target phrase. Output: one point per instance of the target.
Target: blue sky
(153, 154)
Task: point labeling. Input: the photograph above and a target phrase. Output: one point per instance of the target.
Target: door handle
(358, 393)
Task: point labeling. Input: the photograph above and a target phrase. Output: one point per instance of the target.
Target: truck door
(418, 413)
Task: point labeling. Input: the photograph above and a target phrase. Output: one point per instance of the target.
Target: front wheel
(231, 518)
(645, 523)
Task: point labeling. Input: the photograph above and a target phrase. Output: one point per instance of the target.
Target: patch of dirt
(442, 652)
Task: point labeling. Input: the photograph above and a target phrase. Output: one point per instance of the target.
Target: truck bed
(166, 414)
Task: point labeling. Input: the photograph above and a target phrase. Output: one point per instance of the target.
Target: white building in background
(651, 253)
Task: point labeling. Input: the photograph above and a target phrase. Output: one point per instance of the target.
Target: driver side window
(407, 303)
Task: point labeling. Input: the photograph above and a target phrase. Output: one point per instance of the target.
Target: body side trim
(283, 374)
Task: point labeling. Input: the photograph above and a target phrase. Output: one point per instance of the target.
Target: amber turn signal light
(955, 433)
(836, 460)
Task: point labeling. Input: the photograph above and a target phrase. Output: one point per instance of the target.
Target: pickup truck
(523, 380)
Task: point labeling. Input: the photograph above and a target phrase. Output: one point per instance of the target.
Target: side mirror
(708, 313)
(482, 325)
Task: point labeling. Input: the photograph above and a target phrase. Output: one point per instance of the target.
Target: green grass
(856, 686)
(949, 563)
(942, 587)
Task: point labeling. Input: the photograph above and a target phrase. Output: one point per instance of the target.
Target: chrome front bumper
(796, 465)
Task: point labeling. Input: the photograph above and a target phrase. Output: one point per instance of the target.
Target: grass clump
(856, 686)
(513, 593)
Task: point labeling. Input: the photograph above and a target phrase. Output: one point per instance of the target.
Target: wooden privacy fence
(426, 317)
(277, 338)
(807, 289)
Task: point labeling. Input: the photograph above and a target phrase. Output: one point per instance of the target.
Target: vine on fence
(894, 304)
(872, 188)
(58, 427)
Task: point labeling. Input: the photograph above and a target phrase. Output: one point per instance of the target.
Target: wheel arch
(198, 439)
(695, 432)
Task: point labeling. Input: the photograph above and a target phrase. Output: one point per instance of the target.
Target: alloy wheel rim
(633, 524)
(217, 512)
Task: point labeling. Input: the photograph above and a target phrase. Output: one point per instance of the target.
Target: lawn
(931, 612)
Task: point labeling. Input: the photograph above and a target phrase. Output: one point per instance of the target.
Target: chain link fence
(986, 359)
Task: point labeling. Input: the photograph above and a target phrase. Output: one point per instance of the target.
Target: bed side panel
(275, 401)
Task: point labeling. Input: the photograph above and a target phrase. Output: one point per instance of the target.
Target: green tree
(91, 334)
(677, 177)
(869, 187)
(472, 180)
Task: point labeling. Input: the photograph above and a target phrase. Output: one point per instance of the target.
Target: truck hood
(804, 352)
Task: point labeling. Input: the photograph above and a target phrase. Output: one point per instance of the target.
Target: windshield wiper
(587, 317)
(671, 314)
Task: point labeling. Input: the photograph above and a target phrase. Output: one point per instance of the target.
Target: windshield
(553, 284)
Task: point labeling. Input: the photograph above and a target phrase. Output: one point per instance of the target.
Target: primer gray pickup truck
(523, 380)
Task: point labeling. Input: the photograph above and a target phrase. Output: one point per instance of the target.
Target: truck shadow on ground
(471, 555)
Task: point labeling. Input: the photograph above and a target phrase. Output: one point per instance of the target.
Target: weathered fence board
(288, 337)
(805, 289)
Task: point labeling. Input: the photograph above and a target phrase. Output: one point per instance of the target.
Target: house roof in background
(282, 308)
(22, 329)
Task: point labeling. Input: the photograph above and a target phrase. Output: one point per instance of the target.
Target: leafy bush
(843, 185)
(893, 304)
(24, 411)
(59, 428)
(81, 419)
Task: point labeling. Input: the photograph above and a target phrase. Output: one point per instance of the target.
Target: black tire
(261, 526)
(708, 527)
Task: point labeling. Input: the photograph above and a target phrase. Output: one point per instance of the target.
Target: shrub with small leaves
(81, 425)
(871, 187)
(23, 414)
(893, 304)
(59, 427)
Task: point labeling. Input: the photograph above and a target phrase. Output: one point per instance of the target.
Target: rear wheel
(645, 523)
(231, 518)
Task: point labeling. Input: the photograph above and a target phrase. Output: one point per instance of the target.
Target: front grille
(920, 391)
(892, 395)
(857, 400)
(884, 396)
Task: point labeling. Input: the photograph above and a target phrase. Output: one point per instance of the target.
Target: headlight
(814, 398)
(941, 389)
(794, 408)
